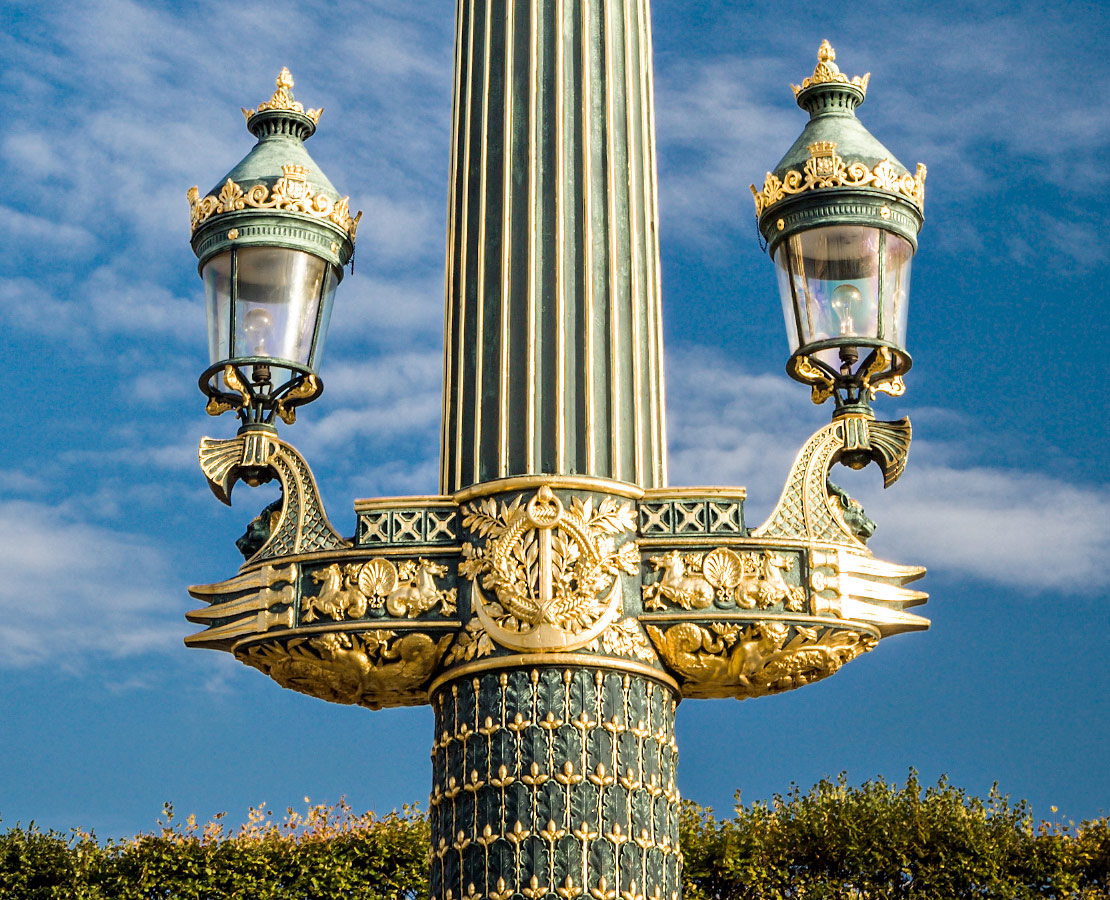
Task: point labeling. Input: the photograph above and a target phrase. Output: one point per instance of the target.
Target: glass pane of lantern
(217, 296)
(278, 298)
(325, 316)
(831, 274)
(896, 288)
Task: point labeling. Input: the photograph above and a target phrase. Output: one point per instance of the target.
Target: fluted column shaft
(553, 356)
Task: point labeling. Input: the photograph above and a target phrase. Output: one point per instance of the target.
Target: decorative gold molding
(406, 590)
(826, 169)
(554, 482)
(555, 571)
(373, 669)
(377, 503)
(302, 526)
(748, 579)
(531, 660)
(290, 193)
(286, 406)
(820, 382)
(827, 72)
(283, 99)
(805, 509)
(694, 493)
(727, 660)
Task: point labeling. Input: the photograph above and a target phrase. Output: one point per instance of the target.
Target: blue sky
(112, 109)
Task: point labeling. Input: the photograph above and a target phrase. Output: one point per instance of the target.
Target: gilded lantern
(840, 216)
(271, 239)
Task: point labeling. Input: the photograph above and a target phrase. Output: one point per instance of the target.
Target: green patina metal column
(553, 336)
(553, 778)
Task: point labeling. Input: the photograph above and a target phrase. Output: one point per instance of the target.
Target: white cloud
(73, 589)
(952, 511)
(725, 120)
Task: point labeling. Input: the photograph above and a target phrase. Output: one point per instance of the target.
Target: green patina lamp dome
(840, 216)
(271, 240)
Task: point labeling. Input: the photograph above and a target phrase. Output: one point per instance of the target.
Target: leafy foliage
(836, 842)
(326, 852)
(886, 842)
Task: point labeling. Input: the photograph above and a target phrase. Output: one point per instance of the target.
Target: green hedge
(877, 841)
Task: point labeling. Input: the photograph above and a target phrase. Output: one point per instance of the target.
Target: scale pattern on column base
(554, 782)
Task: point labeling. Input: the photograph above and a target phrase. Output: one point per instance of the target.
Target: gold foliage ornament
(290, 193)
(826, 169)
(626, 638)
(472, 643)
(555, 572)
(351, 591)
(373, 669)
(751, 660)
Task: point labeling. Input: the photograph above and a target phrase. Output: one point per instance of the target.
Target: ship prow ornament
(556, 600)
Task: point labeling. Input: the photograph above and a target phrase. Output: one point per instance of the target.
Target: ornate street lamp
(840, 216)
(271, 239)
(556, 600)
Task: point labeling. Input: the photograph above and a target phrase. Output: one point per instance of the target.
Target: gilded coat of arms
(554, 572)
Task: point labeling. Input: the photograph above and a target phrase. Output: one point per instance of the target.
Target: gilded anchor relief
(554, 573)
(725, 578)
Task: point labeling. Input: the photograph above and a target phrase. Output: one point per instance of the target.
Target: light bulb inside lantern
(846, 301)
(257, 327)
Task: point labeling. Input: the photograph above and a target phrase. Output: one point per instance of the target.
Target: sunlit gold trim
(560, 247)
(401, 626)
(449, 266)
(283, 99)
(506, 249)
(615, 381)
(376, 503)
(732, 493)
(367, 553)
(285, 406)
(556, 482)
(533, 62)
(480, 288)
(718, 615)
(660, 390)
(827, 72)
(290, 193)
(588, 240)
(636, 175)
(462, 262)
(542, 660)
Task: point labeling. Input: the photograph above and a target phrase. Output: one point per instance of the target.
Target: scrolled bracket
(806, 508)
(256, 457)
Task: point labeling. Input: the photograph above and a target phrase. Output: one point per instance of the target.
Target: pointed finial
(827, 72)
(283, 99)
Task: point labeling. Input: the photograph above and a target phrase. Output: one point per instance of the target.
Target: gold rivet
(781, 224)
(233, 234)
(885, 212)
(334, 247)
